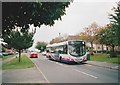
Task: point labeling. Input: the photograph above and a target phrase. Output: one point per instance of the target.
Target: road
(56, 72)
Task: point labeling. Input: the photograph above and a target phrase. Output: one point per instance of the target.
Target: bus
(68, 51)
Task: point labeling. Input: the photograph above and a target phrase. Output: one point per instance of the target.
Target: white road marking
(51, 61)
(58, 63)
(63, 65)
(88, 65)
(85, 73)
(42, 74)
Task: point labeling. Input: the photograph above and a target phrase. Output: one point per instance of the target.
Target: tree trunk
(91, 44)
(102, 48)
(96, 49)
(19, 55)
(107, 50)
(113, 54)
(91, 51)
(113, 48)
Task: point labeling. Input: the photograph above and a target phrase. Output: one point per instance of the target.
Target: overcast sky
(78, 15)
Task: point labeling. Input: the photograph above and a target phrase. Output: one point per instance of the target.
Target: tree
(41, 46)
(100, 37)
(115, 20)
(89, 33)
(19, 40)
(108, 37)
(21, 14)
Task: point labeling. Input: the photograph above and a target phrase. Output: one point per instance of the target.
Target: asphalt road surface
(56, 72)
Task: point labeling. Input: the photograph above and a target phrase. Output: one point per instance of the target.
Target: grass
(6, 57)
(104, 58)
(15, 64)
(0, 65)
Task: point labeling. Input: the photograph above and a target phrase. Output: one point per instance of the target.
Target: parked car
(1, 55)
(44, 53)
(5, 54)
(34, 55)
(16, 52)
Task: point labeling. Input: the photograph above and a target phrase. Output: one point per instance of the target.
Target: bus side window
(65, 49)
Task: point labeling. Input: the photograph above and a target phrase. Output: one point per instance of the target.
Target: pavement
(104, 64)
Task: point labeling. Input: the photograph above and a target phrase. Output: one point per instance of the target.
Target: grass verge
(104, 58)
(15, 64)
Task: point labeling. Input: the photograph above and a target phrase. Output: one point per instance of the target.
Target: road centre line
(85, 73)
(42, 74)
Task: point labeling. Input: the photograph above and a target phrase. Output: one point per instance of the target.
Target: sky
(79, 14)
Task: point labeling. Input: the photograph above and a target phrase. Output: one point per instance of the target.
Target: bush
(113, 54)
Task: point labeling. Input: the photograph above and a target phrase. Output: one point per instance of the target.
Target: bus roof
(61, 43)
(57, 44)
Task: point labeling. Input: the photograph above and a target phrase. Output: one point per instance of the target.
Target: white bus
(68, 51)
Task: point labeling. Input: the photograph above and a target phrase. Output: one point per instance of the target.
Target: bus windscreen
(77, 48)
